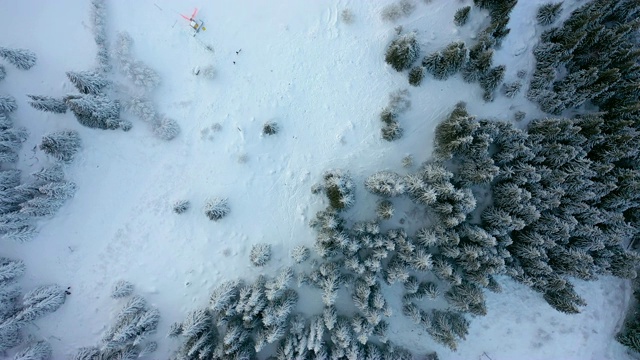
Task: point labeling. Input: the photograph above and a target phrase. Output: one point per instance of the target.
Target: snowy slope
(325, 83)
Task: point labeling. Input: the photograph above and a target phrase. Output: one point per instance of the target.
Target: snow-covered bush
(395, 11)
(87, 82)
(23, 59)
(300, 254)
(511, 89)
(216, 208)
(61, 145)
(548, 13)
(403, 52)
(48, 103)
(519, 115)
(270, 128)
(461, 16)
(181, 206)
(121, 289)
(260, 254)
(166, 128)
(346, 15)
(384, 209)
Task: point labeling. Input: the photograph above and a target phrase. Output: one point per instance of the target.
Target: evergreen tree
(95, 111)
(548, 13)
(87, 82)
(461, 16)
(166, 128)
(260, 254)
(300, 254)
(181, 206)
(339, 189)
(8, 103)
(385, 183)
(21, 58)
(121, 289)
(48, 103)
(402, 52)
(61, 145)
(40, 350)
(3, 72)
(216, 208)
(447, 62)
(416, 75)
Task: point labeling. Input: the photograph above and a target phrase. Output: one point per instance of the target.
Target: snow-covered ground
(325, 83)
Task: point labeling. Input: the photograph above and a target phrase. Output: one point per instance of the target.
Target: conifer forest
(403, 179)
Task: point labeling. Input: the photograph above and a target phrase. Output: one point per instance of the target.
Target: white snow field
(325, 83)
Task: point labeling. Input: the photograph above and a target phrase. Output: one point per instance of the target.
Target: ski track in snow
(325, 83)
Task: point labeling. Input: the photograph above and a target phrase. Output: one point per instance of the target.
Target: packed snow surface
(324, 82)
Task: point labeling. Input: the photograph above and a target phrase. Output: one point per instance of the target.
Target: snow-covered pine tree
(416, 74)
(3, 72)
(260, 254)
(121, 289)
(402, 52)
(385, 183)
(548, 13)
(95, 111)
(181, 206)
(384, 209)
(490, 81)
(88, 82)
(61, 145)
(8, 103)
(445, 63)
(39, 302)
(216, 208)
(39, 350)
(300, 254)
(23, 59)
(339, 189)
(48, 103)
(461, 16)
(99, 22)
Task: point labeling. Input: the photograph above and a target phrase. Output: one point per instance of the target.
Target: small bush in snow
(461, 16)
(548, 13)
(3, 72)
(260, 254)
(216, 208)
(407, 161)
(402, 52)
(519, 115)
(384, 209)
(416, 74)
(21, 58)
(125, 125)
(511, 89)
(166, 129)
(393, 12)
(121, 288)
(270, 128)
(208, 72)
(61, 145)
(48, 103)
(346, 16)
(181, 206)
(300, 253)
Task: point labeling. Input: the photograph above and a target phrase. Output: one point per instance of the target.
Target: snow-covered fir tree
(23, 59)
(48, 103)
(548, 13)
(166, 128)
(8, 103)
(95, 111)
(121, 289)
(447, 62)
(416, 74)
(260, 254)
(216, 208)
(403, 52)
(461, 16)
(3, 72)
(88, 82)
(39, 350)
(61, 145)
